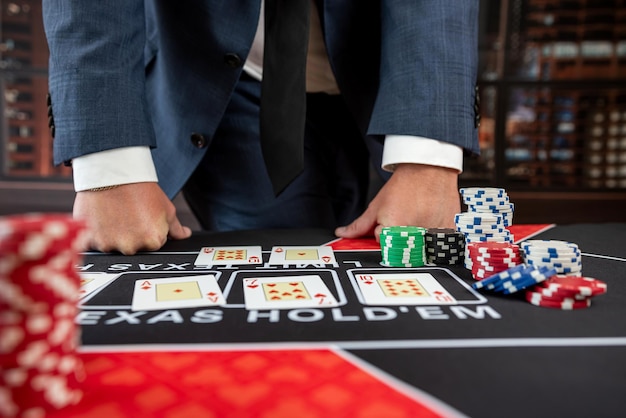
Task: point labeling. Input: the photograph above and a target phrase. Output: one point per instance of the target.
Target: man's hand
(416, 194)
(129, 218)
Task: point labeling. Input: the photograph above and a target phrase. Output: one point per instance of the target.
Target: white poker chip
(473, 191)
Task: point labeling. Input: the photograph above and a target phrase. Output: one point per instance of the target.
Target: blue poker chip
(478, 220)
(553, 263)
(482, 190)
(486, 199)
(480, 226)
(520, 286)
(513, 272)
(549, 251)
(515, 279)
(548, 246)
(572, 258)
(479, 209)
(507, 206)
(490, 232)
(487, 239)
(483, 195)
(512, 287)
(561, 269)
(568, 270)
(483, 232)
(543, 259)
(530, 277)
(487, 202)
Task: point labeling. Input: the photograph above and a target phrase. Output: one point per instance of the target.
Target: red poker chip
(496, 258)
(508, 264)
(487, 272)
(39, 335)
(495, 267)
(586, 286)
(482, 274)
(554, 297)
(30, 285)
(558, 293)
(490, 256)
(493, 246)
(487, 252)
(565, 305)
(36, 236)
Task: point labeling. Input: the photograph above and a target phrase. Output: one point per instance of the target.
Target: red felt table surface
(519, 232)
(290, 383)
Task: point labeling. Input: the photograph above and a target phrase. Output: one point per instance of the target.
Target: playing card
(177, 292)
(90, 282)
(403, 289)
(222, 256)
(287, 293)
(302, 255)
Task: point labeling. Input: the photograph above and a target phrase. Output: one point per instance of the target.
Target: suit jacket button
(233, 60)
(198, 140)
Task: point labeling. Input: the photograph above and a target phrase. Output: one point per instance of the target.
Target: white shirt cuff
(113, 167)
(400, 149)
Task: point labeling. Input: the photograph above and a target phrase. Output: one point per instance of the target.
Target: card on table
(177, 292)
(302, 255)
(289, 292)
(90, 282)
(403, 289)
(222, 256)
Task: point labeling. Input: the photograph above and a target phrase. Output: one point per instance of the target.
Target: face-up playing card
(177, 292)
(90, 282)
(403, 289)
(287, 293)
(222, 256)
(302, 255)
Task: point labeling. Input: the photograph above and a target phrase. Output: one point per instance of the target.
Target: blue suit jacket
(152, 72)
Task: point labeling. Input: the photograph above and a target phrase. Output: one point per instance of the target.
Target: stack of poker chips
(485, 259)
(482, 227)
(550, 272)
(565, 292)
(402, 246)
(489, 200)
(563, 256)
(444, 246)
(39, 290)
(515, 279)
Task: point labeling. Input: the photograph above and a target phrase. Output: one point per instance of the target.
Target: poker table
(488, 355)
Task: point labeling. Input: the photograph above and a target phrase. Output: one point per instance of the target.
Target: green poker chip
(403, 246)
(403, 256)
(403, 229)
(392, 264)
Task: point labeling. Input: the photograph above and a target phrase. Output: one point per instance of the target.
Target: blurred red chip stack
(39, 288)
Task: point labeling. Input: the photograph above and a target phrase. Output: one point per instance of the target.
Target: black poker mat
(490, 355)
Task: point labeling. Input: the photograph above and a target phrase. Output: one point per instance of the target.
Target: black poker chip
(444, 246)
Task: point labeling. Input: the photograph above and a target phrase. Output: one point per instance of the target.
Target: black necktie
(283, 89)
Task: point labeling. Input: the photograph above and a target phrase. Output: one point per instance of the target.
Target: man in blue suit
(150, 97)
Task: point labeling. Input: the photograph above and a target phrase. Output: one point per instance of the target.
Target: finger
(363, 225)
(176, 229)
(130, 243)
(377, 231)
